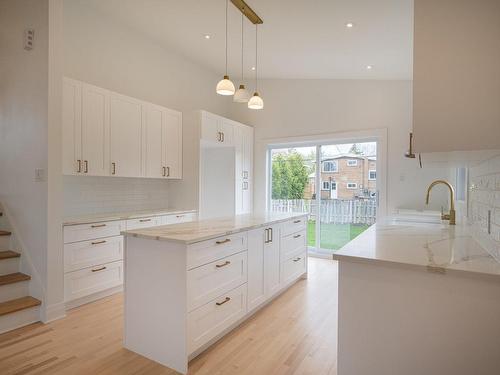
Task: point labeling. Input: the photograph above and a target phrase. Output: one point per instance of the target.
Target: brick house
(346, 176)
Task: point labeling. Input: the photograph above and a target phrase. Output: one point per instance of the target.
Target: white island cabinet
(187, 285)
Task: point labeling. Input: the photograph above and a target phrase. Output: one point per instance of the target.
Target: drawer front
(84, 282)
(178, 218)
(84, 232)
(211, 280)
(293, 267)
(91, 253)
(143, 222)
(209, 251)
(211, 319)
(292, 244)
(293, 226)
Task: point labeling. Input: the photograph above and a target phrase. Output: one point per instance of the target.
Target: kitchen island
(418, 299)
(187, 285)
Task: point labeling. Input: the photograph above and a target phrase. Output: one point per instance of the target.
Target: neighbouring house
(346, 176)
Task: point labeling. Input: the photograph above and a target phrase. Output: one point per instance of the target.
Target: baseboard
(93, 297)
(52, 312)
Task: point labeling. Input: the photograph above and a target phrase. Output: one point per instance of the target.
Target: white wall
(295, 108)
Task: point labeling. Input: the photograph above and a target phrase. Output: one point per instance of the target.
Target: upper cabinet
(109, 134)
(456, 75)
(217, 130)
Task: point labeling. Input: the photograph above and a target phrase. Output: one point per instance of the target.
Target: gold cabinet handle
(223, 137)
(164, 171)
(113, 168)
(99, 269)
(144, 220)
(297, 221)
(179, 216)
(223, 241)
(168, 171)
(297, 259)
(219, 136)
(266, 235)
(226, 263)
(297, 236)
(98, 225)
(227, 299)
(79, 169)
(86, 166)
(98, 242)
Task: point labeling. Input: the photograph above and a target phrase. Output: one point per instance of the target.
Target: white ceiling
(299, 38)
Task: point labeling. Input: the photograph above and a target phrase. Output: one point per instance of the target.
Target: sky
(367, 148)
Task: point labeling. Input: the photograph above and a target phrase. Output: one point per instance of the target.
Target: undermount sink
(416, 216)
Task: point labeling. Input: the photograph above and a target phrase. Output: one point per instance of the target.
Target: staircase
(17, 307)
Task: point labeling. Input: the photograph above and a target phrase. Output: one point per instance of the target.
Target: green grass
(334, 236)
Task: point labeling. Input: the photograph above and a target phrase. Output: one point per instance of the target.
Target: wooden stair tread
(5, 233)
(18, 304)
(13, 278)
(9, 254)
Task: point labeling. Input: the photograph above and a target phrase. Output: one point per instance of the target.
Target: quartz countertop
(437, 248)
(202, 230)
(95, 218)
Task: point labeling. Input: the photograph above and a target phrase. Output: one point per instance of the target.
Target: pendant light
(256, 101)
(241, 95)
(225, 86)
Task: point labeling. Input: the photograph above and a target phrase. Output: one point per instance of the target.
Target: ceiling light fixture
(225, 86)
(369, 67)
(206, 36)
(256, 101)
(349, 25)
(241, 95)
(253, 67)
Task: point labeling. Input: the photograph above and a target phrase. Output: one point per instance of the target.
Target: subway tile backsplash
(484, 198)
(85, 195)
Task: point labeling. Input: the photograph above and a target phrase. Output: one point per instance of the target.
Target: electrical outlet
(39, 175)
(29, 39)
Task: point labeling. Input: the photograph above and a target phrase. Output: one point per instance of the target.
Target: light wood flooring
(295, 334)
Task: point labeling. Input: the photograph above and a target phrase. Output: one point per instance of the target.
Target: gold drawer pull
(223, 302)
(223, 241)
(98, 225)
(99, 269)
(98, 242)
(297, 236)
(297, 221)
(297, 259)
(223, 264)
(144, 220)
(179, 216)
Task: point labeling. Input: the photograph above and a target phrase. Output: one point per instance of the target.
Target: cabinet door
(247, 170)
(256, 287)
(154, 142)
(210, 127)
(238, 169)
(95, 125)
(125, 136)
(172, 138)
(72, 127)
(272, 261)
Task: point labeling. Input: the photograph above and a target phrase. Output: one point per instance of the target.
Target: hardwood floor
(295, 334)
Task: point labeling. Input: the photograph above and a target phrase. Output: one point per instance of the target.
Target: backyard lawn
(334, 236)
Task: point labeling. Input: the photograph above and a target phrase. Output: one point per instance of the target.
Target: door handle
(223, 241)
(98, 225)
(272, 235)
(226, 263)
(297, 221)
(98, 242)
(219, 136)
(99, 269)
(223, 137)
(144, 220)
(227, 299)
(164, 171)
(113, 165)
(168, 171)
(86, 166)
(266, 235)
(79, 169)
(297, 259)
(297, 236)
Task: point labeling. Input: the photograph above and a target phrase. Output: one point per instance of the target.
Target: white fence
(333, 211)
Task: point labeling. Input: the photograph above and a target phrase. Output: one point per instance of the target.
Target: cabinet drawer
(211, 280)
(83, 232)
(293, 267)
(294, 225)
(143, 222)
(178, 218)
(211, 250)
(292, 243)
(85, 254)
(84, 282)
(211, 319)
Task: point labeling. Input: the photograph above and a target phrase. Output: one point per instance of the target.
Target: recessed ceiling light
(349, 25)
(206, 36)
(253, 67)
(369, 67)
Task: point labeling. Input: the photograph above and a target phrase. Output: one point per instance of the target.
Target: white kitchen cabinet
(72, 127)
(216, 130)
(456, 80)
(172, 150)
(243, 145)
(125, 136)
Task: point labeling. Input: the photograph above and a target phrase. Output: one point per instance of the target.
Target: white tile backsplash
(92, 195)
(484, 198)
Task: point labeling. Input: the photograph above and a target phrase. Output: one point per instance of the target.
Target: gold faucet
(451, 215)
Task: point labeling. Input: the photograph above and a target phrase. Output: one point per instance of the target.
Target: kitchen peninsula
(187, 285)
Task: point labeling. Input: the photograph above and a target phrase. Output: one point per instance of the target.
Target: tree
(355, 149)
(290, 176)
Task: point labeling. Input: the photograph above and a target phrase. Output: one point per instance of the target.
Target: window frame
(369, 175)
(349, 161)
(323, 185)
(351, 183)
(334, 163)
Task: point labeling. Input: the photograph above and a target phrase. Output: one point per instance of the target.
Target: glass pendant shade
(241, 95)
(225, 87)
(256, 102)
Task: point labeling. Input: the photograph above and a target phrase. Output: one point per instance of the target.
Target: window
(325, 185)
(352, 185)
(352, 163)
(330, 166)
(372, 174)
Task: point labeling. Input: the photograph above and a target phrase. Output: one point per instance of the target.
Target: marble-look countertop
(437, 248)
(202, 230)
(95, 218)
